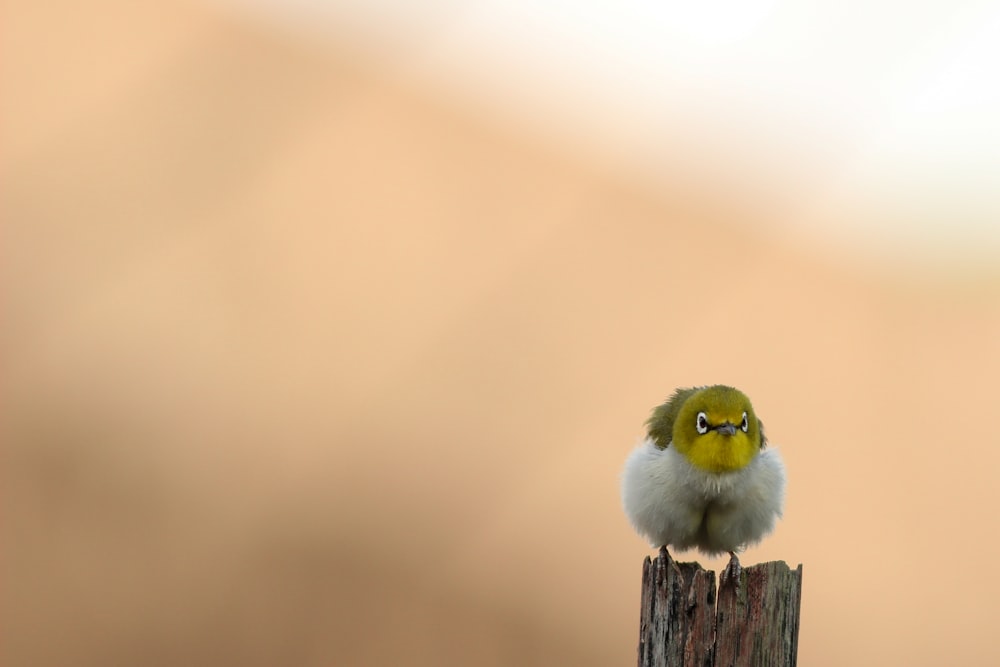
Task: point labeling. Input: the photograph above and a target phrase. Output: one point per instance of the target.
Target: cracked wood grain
(752, 619)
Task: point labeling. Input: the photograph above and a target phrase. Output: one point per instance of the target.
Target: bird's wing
(661, 423)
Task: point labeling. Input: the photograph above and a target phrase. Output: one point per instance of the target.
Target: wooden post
(752, 620)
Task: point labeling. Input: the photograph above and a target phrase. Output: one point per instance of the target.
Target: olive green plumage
(660, 425)
(661, 422)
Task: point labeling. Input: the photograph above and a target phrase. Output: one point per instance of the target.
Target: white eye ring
(702, 423)
(745, 425)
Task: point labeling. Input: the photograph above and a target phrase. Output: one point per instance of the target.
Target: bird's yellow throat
(716, 452)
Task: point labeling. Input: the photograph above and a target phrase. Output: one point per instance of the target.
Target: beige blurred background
(326, 335)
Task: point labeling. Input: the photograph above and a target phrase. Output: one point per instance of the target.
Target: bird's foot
(733, 567)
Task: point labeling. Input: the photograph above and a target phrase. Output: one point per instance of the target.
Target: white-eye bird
(703, 477)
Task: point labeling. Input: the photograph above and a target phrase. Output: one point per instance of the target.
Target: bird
(704, 477)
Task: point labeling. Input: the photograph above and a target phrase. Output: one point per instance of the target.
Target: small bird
(703, 477)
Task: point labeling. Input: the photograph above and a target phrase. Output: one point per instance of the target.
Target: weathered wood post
(752, 620)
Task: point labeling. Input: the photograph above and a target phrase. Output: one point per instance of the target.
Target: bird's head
(716, 429)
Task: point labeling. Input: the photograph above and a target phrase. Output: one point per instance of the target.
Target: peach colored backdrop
(305, 365)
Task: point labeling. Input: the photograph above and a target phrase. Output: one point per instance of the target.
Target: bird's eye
(702, 423)
(745, 425)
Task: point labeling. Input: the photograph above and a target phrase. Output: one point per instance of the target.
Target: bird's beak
(726, 429)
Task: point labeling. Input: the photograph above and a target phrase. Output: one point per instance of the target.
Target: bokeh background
(328, 326)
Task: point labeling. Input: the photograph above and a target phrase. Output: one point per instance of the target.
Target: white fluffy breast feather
(672, 502)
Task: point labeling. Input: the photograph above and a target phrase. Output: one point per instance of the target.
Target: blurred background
(329, 325)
